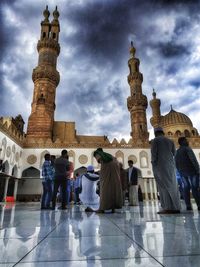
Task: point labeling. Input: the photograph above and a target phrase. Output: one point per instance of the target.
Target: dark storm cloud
(171, 49)
(94, 38)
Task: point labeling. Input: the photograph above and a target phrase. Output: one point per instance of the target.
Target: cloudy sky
(95, 39)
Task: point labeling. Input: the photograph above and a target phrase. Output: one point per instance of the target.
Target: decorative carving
(17, 156)
(40, 73)
(31, 159)
(50, 43)
(83, 159)
(8, 151)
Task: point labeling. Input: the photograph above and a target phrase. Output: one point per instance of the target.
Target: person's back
(163, 165)
(184, 163)
(188, 167)
(61, 167)
(163, 150)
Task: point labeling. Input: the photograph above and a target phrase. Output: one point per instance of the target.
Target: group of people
(114, 183)
(167, 164)
(56, 176)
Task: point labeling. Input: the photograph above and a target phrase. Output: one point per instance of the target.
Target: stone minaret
(156, 116)
(46, 79)
(137, 102)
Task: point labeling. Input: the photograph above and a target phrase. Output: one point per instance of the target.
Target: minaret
(137, 102)
(46, 78)
(155, 105)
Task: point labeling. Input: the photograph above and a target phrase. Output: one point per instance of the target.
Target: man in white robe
(88, 195)
(162, 159)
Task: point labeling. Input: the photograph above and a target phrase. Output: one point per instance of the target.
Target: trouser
(76, 194)
(191, 182)
(133, 195)
(47, 194)
(62, 183)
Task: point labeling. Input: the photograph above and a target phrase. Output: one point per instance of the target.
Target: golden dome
(176, 118)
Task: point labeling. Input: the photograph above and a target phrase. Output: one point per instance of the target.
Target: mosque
(21, 154)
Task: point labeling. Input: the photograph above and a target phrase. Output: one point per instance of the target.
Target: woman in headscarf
(110, 184)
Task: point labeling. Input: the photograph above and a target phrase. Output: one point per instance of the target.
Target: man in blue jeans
(47, 182)
(188, 167)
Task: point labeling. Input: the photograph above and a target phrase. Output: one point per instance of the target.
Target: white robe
(162, 158)
(88, 196)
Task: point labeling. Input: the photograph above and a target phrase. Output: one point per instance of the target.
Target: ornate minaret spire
(155, 105)
(46, 79)
(137, 102)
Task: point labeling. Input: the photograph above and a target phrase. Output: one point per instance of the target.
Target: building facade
(22, 154)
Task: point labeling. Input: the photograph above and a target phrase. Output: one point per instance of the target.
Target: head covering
(158, 129)
(105, 157)
(90, 168)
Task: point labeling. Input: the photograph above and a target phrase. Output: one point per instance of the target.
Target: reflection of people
(162, 158)
(188, 167)
(123, 179)
(110, 185)
(133, 184)
(47, 180)
(61, 168)
(88, 196)
(77, 188)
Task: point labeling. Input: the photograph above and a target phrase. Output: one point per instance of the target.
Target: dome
(176, 118)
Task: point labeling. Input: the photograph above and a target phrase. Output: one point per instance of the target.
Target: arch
(178, 133)
(170, 133)
(3, 148)
(42, 157)
(31, 172)
(71, 154)
(5, 167)
(186, 133)
(120, 156)
(193, 132)
(14, 171)
(144, 162)
(133, 158)
(94, 162)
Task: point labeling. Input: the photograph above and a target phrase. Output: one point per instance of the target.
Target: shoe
(62, 208)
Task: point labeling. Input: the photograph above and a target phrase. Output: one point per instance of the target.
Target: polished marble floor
(133, 236)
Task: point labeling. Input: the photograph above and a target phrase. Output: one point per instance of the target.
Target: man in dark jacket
(61, 165)
(132, 173)
(188, 167)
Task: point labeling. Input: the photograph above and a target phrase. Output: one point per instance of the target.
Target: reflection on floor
(133, 236)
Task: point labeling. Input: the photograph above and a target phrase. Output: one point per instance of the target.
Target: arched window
(187, 133)
(5, 167)
(31, 172)
(120, 156)
(3, 148)
(170, 133)
(42, 157)
(178, 133)
(144, 163)
(14, 171)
